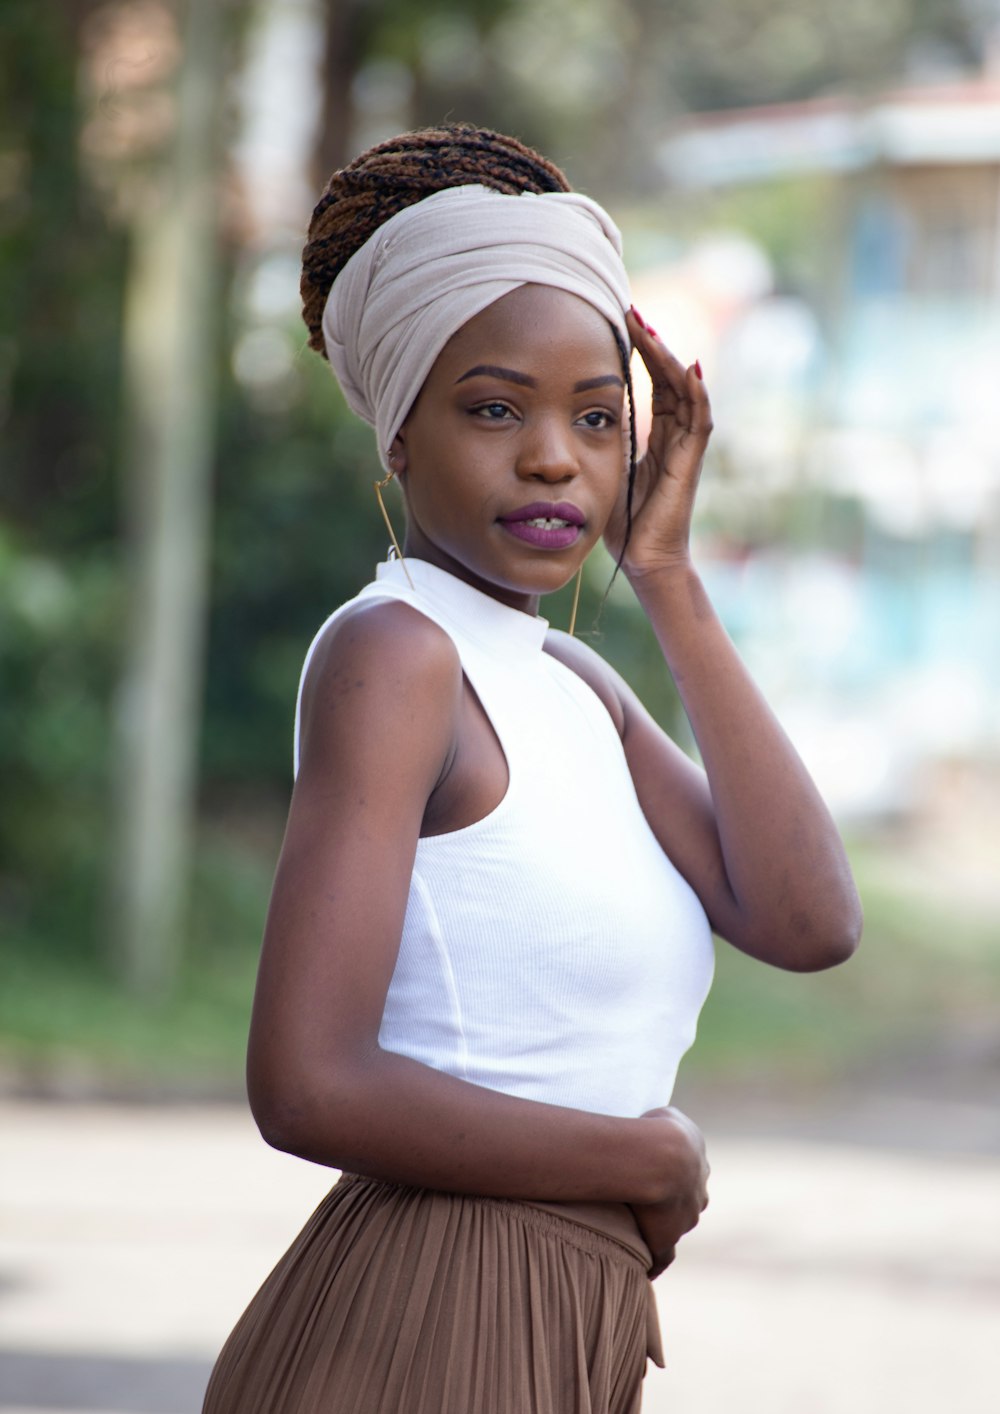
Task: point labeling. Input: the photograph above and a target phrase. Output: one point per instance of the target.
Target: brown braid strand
(395, 174)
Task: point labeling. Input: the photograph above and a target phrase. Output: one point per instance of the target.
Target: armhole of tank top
(503, 804)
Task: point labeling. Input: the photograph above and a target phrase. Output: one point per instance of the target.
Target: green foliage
(928, 969)
(65, 1025)
(925, 970)
(595, 82)
(57, 665)
(722, 55)
(60, 296)
(297, 531)
(296, 526)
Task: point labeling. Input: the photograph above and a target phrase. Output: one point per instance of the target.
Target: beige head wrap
(434, 265)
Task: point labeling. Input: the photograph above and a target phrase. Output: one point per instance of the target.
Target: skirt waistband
(590, 1226)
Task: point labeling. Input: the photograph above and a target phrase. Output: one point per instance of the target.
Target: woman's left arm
(751, 833)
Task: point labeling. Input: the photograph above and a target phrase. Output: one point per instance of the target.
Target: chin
(543, 576)
(538, 584)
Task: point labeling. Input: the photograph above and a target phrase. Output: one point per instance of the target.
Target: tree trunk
(345, 31)
(169, 343)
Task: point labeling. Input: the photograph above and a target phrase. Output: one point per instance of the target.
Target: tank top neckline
(494, 626)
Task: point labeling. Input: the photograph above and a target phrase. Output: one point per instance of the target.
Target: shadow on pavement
(55, 1380)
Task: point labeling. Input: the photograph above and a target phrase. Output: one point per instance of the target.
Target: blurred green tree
(60, 307)
(170, 334)
(591, 81)
(437, 50)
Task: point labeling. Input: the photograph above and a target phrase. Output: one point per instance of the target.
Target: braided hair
(395, 174)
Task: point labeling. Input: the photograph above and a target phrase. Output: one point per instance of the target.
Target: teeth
(543, 524)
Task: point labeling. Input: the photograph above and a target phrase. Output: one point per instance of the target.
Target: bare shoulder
(383, 666)
(386, 635)
(595, 672)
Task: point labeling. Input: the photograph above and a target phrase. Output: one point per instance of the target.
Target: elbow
(294, 1118)
(831, 951)
(851, 939)
(845, 936)
(282, 1122)
(316, 1113)
(818, 946)
(807, 942)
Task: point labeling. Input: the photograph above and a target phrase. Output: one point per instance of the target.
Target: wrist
(673, 575)
(675, 1158)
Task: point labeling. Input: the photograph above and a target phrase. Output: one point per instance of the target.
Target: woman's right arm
(378, 727)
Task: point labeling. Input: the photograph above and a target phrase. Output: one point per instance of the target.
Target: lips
(547, 510)
(546, 525)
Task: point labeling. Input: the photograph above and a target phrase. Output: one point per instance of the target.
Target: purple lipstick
(546, 525)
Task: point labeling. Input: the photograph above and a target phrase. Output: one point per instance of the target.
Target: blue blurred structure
(873, 398)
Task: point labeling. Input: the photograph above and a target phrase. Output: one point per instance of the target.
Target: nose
(547, 453)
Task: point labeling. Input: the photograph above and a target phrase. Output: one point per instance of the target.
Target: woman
(489, 935)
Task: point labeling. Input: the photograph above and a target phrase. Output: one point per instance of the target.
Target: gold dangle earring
(388, 523)
(576, 601)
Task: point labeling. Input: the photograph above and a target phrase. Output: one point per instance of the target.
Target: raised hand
(668, 472)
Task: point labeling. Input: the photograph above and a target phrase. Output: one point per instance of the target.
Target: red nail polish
(697, 369)
(651, 331)
(639, 319)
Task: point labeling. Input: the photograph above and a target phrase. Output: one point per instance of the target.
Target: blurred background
(810, 200)
(811, 205)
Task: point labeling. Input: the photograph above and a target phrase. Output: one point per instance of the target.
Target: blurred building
(912, 299)
(876, 393)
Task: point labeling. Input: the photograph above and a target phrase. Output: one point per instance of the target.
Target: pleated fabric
(398, 1300)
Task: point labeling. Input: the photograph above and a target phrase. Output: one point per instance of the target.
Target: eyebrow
(511, 375)
(608, 380)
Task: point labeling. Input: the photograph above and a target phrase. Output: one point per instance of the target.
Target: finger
(664, 368)
(661, 1264)
(681, 392)
(673, 383)
(701, 406)
(680, 405)
(681, 422)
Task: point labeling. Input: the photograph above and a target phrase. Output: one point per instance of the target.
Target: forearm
(390, 1117)
(791, 897)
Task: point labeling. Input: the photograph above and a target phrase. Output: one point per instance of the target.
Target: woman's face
(512, 456)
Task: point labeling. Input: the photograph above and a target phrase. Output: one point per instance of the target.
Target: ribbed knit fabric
(550, 950)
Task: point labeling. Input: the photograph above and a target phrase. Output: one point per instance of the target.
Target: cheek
(431, 496)
(618, 471)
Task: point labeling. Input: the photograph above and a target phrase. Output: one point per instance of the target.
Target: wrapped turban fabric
(435, 265)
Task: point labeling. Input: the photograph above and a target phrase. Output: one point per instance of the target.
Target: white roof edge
(830, 137)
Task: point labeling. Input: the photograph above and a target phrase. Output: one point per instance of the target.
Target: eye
(492, 412)
(598, 419)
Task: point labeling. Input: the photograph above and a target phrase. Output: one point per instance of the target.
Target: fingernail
(651, 331)
(638, 318)
(697, 369)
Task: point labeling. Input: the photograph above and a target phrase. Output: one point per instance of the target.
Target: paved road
(827, 1277)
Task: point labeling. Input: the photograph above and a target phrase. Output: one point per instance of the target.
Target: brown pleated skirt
(397, 1300)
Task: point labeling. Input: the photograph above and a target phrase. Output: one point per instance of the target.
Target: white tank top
(550, 950)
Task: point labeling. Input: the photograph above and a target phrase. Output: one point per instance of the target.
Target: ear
(397, 455)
